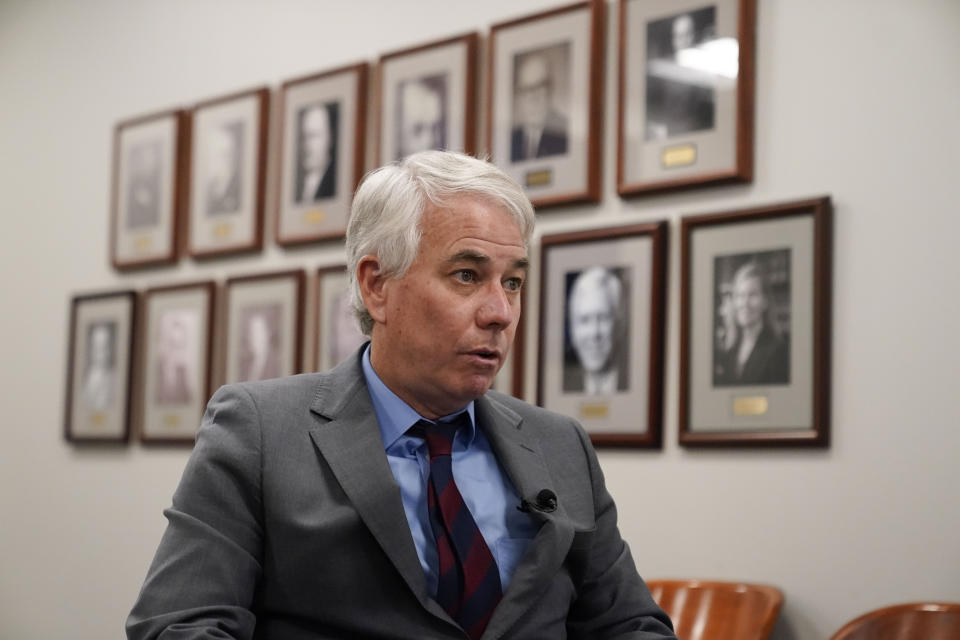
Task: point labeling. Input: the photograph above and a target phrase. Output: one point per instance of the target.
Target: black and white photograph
(427, 98)
(102, 329)
(337, 332)
(317, 134)
(147, 190)
(685, 112)
(178, 335)
(755, 325)
(601, 331)
(263, 326)
(260, 355)
(143, 184)
(177, 361)
(545, 103)
(222, 154)
(541, 102)
(421, 114)
(323, 123)
(752, 323)
(228, 174)
(680, 92)
(597, 340)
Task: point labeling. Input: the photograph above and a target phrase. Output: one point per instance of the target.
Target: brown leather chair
(914, 621)
(703, 610)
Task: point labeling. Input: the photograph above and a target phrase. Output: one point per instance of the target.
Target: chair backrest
(703, 610)
(914, 621)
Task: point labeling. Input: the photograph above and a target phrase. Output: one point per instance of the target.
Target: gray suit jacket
(289, 525)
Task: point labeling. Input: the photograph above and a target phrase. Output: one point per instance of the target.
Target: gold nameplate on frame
(222, 230)
(594, 411)
(682, 155)
(539, 178)
(314, 217)
(98, 419)
(750, 406)
(171, 420)
(142, 243)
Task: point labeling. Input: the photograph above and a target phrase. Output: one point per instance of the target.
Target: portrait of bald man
(597, 347)
(421, 114)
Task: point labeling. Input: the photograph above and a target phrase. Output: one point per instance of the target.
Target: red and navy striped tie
(469, 581)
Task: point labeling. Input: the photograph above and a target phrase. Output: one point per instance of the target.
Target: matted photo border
(689, 129)
(228, 174)
(313, 188)
(425, 115)
(769, 383)
(176, 355)
(602, 331)
(100, 367)
(232, 317)
(148, 189)
(536, 65)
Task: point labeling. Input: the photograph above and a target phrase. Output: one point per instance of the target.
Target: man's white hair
(389, 204)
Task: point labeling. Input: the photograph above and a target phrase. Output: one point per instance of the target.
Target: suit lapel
(517, 449)
(352, 445)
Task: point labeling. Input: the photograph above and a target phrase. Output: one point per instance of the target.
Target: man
(224, 149)
(539, 130)
(421, 115)
(314, 507)
(316, 175)
(596, 323)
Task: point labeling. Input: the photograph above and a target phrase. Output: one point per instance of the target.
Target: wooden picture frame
(427, 98)
(176, 375)
(148, 189)
(686, 94)
(601, 350)
(228, 162)
(755, 326)
(323, 140)
(336, 329)
(545, 102)
(100, 360)
(263, 326)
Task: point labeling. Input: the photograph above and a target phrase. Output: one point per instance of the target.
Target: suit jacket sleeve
(612, 600)
(202, 580)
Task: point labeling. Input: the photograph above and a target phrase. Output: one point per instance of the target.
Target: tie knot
(439, 435)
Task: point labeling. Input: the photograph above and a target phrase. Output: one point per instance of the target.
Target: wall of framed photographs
(846, 102)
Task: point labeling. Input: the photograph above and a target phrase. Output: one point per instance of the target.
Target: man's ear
(372, 289)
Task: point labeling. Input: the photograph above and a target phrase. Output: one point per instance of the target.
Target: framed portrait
(602, 331)
(755, 326)
(428, 98)
(147, 195)
(686, 88)
(177, 352)
(337, 332)
(264, 326)
(228, 161)
(99, 367)
(545, 102)
(323, 135)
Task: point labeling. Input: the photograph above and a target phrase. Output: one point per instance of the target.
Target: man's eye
(465, 275)
(513, 284)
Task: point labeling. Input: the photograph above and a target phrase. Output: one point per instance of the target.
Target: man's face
(221, 159)
(533, 91)
(749, 301)
(449, 322)
(315, 134)
(682, 30)
(592, 323)
(421, 119)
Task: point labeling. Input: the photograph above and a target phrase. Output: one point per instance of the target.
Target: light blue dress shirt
(485, 488)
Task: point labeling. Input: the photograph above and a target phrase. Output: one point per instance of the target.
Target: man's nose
(495, 308)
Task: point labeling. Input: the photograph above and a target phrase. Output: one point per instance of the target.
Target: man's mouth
(491, 355)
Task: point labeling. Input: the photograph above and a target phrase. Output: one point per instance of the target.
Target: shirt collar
(393, 414)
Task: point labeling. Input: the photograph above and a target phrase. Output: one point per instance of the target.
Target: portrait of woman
(751, 327)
